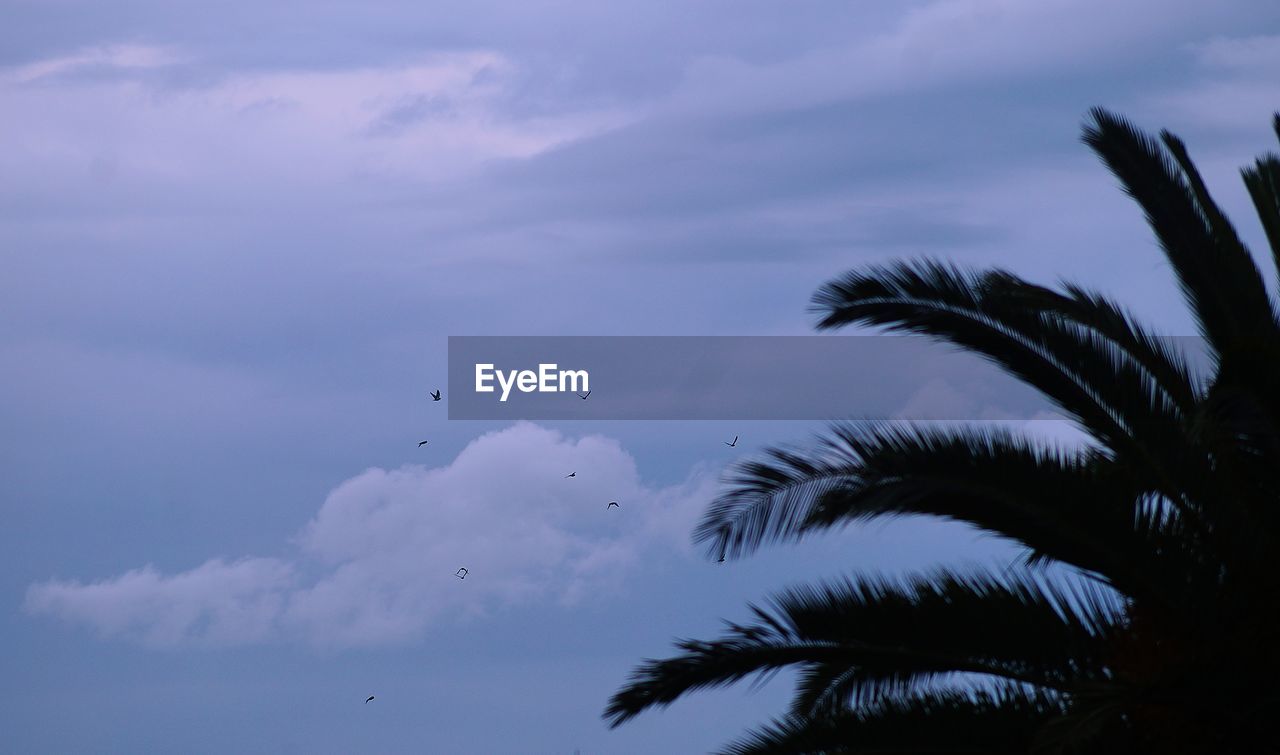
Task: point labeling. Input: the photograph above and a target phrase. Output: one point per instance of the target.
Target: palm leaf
(1004, 720)
(1216, 272)
(1074, 507)
(857, 640)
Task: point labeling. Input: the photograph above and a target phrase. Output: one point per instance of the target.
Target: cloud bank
(377, 562)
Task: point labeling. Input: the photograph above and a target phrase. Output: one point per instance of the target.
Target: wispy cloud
(1232, 87)
(1260, 53)
(103, 58)
(267, 137)
(409, 110)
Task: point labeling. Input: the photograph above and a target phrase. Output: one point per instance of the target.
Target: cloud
(1260, 54)
(936, 44)
(115, 58)
(1232, 87)
(410, 110)
(216, 603)
(263, 138)
(377, 562)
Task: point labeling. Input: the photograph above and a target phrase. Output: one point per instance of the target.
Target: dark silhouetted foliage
(1146, 617)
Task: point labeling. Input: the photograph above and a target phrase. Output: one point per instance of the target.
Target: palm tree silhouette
(1156, 628)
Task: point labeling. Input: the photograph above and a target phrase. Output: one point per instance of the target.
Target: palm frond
(1132, 404)
(1263, 183)
(1051, 632)
(1167, 366)
(1004, 720)
(1217, 274)
(859, 640)
(1071, 506)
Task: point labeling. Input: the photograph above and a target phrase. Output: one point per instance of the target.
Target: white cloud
(169, 135)
(216, 603)
(118, 57)
(381, 553)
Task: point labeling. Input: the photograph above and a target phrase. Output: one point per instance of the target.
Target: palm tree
(1146, 615)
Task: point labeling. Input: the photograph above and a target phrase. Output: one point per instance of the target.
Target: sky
(236, 237)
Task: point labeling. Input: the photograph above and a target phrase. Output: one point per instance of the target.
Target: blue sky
(235, 240)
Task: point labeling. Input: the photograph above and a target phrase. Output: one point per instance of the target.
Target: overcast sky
(236, 236)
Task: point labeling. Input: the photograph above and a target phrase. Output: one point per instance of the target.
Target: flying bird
(366, 702)
(611, 505)
(435, 395)
(571, 474)
(422, 443)
(733, 444)
(461, 573)
(583, 396)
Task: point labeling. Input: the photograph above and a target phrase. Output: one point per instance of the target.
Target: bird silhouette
(422, 443)
(435, 395)
(583, 396)
(612, 504)
(571, 474)
(461, 573)
(733, 444)
(366, 702)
